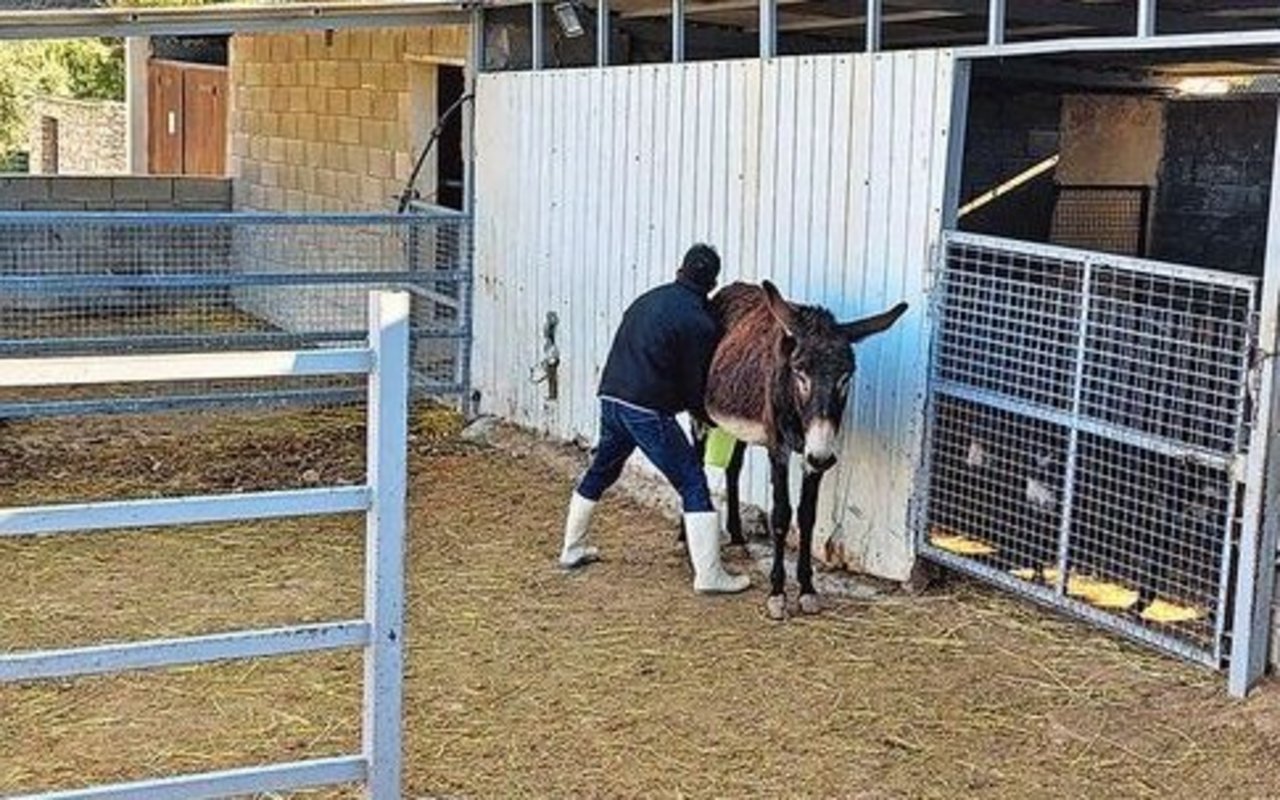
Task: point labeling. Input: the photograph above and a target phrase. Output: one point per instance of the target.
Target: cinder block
(395, 77)
(307, 73)
(348, 75)
(385, 106)
(314, 153)
(298, 99)
(380, 163)
(317, 100)
(373, 194)
(90, 190)
(145, 189)
(335, 157)
(271, 175)
(295, 153)
(371, 75)
(289, 126)
(203, 190)
(348, 130)
(326, 182)
(289, 74)
(130, 205)
(357, 159)
(327, 74)
(280, 48)
(373, 133)
(338, 101)
(361, 46)
(360, 103)
(275, 149)
(404, 166)
(327, 129)
(53, 205)
(306, 127)
(22, 189)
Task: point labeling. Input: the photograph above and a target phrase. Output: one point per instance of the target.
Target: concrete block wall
(332, 124)
(90, 248)
(1215, 190)
(101, 193)
(91, 137)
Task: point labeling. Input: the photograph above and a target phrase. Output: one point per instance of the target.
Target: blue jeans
(623, 428)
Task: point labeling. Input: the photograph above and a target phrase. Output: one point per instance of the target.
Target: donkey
(781, 378)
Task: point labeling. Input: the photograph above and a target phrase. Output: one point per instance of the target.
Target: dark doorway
(451, 84)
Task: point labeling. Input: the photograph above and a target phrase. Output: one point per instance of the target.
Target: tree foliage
(89, 69)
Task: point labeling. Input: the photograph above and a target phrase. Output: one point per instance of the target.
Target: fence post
(384, 541)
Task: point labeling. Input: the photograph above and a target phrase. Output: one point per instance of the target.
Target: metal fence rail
(380, 632)
(1088, 427)
(82, 283)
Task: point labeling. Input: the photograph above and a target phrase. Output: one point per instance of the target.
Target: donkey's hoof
(810, 604)
(776, 606)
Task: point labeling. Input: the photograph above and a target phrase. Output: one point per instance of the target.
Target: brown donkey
(781, 378)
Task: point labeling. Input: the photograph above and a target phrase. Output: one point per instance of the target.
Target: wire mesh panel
(74, 283)
(1088, 416)
(1110, 219)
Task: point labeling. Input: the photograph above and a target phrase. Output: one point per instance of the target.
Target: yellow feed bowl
(1168, 613)
(1096, 592)
(960, 545)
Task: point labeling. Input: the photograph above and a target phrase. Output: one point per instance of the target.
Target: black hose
(406, 197)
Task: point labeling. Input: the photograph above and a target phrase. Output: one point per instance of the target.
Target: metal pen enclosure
(384, 358)
(824, 174)
(101, 283)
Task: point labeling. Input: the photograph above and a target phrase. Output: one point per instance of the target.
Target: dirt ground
(523, 682)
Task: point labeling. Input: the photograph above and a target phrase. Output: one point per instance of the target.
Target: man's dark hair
(701, 267)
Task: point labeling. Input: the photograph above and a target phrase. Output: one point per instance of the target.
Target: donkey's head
(816, 369)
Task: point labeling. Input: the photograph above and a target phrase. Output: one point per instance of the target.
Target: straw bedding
(523, 682)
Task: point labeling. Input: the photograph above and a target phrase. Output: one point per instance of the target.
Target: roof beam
(213, 20)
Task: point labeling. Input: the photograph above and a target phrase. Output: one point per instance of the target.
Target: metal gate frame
(1237, 465)
(380, 632)
(92, 258)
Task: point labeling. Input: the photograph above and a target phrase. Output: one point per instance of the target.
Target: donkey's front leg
(779, 524)
(806, 515)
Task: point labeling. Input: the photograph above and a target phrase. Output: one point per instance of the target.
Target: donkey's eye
(802, 384)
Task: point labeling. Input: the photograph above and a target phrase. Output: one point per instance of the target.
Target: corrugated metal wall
(824, 174)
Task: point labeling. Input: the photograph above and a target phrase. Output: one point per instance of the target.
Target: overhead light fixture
(567, 18)
(1203, 86)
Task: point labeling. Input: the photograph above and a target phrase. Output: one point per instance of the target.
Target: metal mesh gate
(1088, 424)
(107, 283)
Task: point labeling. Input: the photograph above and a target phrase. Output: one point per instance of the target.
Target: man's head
(700, 268)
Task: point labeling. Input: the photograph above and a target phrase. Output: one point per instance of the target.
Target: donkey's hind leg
(733, 522)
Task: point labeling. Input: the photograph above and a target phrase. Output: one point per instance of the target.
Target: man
(657, 368)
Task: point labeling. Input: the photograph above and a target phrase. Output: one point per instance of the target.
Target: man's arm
(699, 347)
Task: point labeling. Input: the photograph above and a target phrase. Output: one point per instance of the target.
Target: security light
(567, 17)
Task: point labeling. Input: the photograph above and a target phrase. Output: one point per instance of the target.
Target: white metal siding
(824, 174)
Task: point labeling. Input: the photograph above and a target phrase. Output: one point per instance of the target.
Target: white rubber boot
(709, 576)
(576, 552)
(717, 483)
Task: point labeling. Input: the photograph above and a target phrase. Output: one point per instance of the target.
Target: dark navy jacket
(662, 350)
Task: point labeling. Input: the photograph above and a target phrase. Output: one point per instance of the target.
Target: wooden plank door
(205, 109)
(165, 139)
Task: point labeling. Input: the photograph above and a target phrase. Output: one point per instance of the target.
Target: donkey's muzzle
(819, 463)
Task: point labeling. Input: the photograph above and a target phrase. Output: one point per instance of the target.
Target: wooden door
(205, 111)
(187, 129)
(164, 140)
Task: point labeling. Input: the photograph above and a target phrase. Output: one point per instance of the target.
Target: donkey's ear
(781, 309)
(860, 329)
